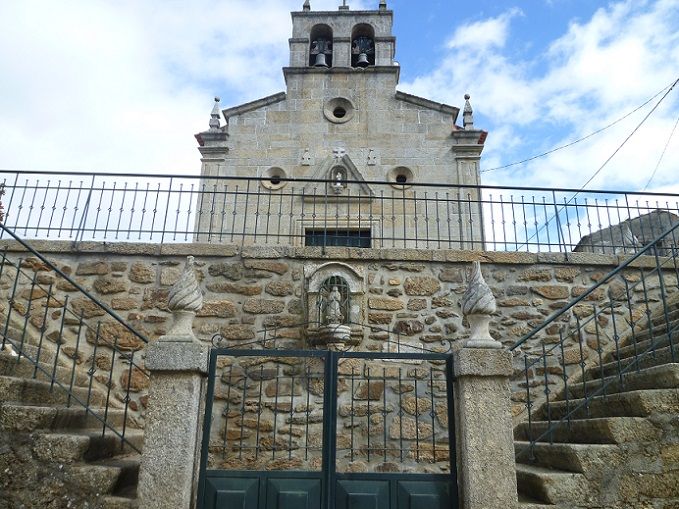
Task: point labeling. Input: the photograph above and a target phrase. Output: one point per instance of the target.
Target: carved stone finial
(478, 304)
(468, 115)
(215, 115)
(184, 300)
(629, 240)
(306, 6)
(383, 5)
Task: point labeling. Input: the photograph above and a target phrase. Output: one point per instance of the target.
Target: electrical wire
(628, 137)
(662, 155)
(582, 188)
(579, 140)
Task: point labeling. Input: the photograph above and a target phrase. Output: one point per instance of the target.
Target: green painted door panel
(362, 494)
(423, 495)
(232, 493)
(293, 494)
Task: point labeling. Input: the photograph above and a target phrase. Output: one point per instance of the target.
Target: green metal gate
(326, 430)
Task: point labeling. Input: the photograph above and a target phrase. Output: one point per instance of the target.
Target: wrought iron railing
(640, 311)
(76, 343)
(174, 208)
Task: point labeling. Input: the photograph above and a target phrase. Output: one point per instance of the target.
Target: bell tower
(341, 122)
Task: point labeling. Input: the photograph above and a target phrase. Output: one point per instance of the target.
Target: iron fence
(248, 210)
(75, 343)
(603, 338)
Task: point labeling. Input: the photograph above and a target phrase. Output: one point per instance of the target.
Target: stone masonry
(411, 297)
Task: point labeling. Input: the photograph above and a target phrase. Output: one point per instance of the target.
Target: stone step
(128, 481)
(115, 502)
(626, 404)
(609, 430)
(646, 345)
(526, 502)
(665, 376)
(35, 353)
(661, 356)
(577, 458)
(26, 369)
(38, 392)
(659, 324)
(104, 478)
(27, 418)
(72, 447)
(553, 486)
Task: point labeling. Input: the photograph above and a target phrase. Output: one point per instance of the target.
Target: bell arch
(362, 45)
(320, 48)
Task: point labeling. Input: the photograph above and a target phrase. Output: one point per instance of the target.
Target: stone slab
(482, 362)
(176, 356)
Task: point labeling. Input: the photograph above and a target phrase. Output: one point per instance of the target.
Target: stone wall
(409, 298)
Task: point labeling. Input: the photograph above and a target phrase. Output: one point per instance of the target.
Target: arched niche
(318, 277)
(320, 48)
(362, 45)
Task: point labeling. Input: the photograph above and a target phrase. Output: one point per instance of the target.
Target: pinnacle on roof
(215, 115)
(306, 6)
(468, 115)
(383, 5)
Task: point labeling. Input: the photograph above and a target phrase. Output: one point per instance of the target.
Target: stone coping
(329, 253)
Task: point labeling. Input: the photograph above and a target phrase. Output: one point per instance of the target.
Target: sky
(123, 85)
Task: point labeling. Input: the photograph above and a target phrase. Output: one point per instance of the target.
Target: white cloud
(597, 71)
(484, 34)
(106, 85)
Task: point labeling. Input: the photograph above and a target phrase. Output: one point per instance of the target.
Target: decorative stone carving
(306, 158)
(478, 305)
(334, 331)
(334, 314)
(185, 299)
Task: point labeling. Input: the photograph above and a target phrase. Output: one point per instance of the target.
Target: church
(340, 157)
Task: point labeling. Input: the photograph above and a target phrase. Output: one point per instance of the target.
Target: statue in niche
(339, 184)
(333, 311)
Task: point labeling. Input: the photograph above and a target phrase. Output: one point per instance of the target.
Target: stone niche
(320, 280)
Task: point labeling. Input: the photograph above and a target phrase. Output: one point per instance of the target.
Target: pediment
(338, 178)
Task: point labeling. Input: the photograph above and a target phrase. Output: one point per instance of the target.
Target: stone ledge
(482, 362)
(330, 253)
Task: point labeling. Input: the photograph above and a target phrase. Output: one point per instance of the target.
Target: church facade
(342, 157)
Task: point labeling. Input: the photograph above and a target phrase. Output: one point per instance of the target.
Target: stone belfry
(342, 119)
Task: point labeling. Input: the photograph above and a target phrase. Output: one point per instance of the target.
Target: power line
(630, 135)
(570, 200)
(579, 140)
(662, 155)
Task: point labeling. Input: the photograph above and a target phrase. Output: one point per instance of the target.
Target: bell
(362, 60)
(320, 60)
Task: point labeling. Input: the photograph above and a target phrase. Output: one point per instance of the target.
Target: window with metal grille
(324, 298)
(342, 238)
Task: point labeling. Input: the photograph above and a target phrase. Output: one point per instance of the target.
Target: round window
(400, 177)
(339, 110)
(273, 178)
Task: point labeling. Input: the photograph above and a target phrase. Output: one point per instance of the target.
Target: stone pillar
(483, 424)
(178, 364)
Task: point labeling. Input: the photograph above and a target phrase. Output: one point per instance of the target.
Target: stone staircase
(54, 453)
(621, 449)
